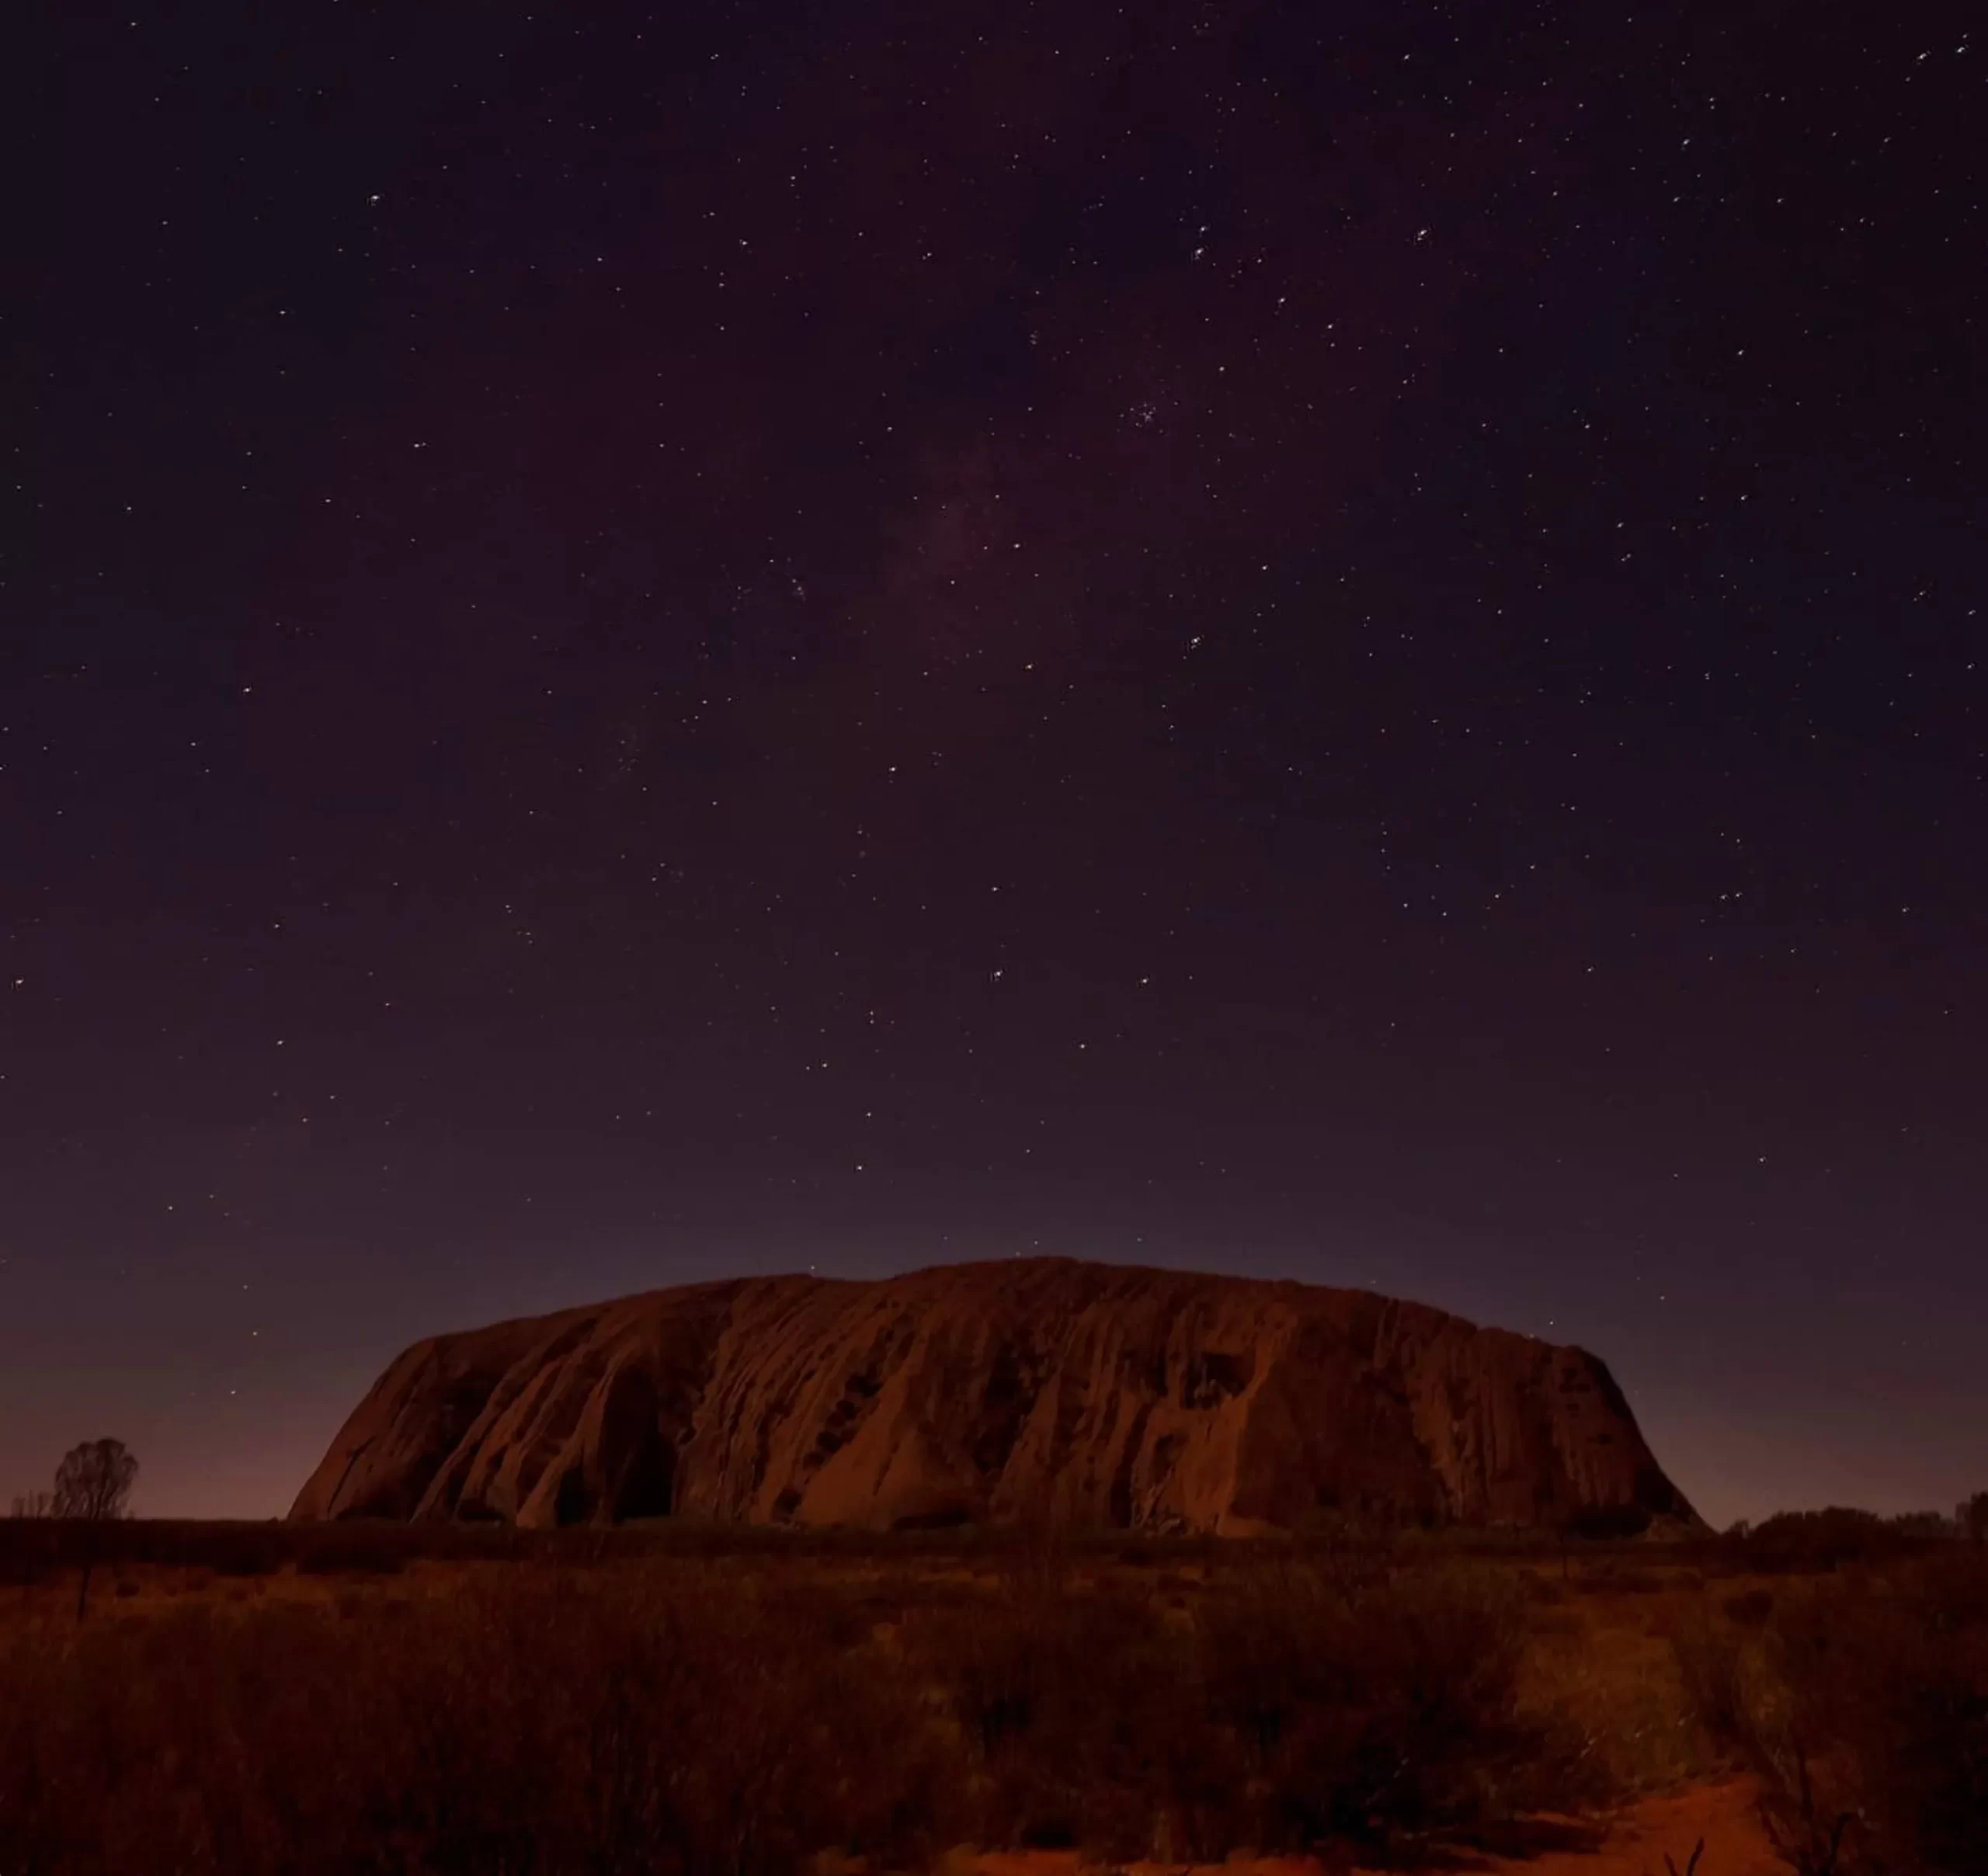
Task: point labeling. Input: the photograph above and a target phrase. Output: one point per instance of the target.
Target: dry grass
(365, 1699)
(666, 1714)
(543, 1720)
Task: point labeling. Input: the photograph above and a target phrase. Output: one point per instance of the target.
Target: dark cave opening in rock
(638, 1461)
(570, 1506)
(646, 1487)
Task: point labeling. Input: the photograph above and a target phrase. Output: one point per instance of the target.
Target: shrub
(1749, 1608)
(1368, 1710)
(1295, 1704)
(1066, 1699)
(1861, 1706)
(336, 1550)
(1607, 1524)
(1810, 1540)
(671, 1716)
(550, 1724)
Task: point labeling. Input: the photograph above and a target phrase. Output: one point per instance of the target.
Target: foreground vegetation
(650, 1717)
(373, 1698)
(1859, 1701)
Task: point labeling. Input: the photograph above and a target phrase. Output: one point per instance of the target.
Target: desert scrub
(680, 1714)
(548, 1722)
(1368, 1706)
(1861, 1703)
(1288, 1706)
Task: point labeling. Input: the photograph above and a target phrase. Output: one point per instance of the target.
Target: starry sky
(1340, 643)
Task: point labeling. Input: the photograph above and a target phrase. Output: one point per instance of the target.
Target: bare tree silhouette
(94, 1480)
(93, 1484)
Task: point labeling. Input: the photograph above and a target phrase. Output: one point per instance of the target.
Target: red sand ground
(1633, 1844)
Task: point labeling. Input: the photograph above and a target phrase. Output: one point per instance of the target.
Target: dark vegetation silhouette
(1973, 1518)
(1828, 1539)
(373, 1696)
(1858, 1699)
(92, 1488)
(94, 1480)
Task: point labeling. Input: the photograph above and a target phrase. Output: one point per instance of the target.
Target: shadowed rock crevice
(1006, 1400)
(1042, 1390)
(638, 1463)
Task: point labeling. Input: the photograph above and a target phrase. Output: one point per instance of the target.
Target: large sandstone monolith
(1046, 1389)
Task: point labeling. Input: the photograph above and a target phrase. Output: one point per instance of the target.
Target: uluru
(1089, 1394)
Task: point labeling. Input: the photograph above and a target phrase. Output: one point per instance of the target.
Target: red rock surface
(1091, 1394)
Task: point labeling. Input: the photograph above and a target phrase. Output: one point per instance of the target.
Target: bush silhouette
(1861, 1706)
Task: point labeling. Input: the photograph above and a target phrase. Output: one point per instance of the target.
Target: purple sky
(1332, 643)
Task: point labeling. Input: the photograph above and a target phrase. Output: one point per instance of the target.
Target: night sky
(1335, 642)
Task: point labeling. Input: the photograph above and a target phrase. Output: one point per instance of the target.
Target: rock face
(1088, 1394)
